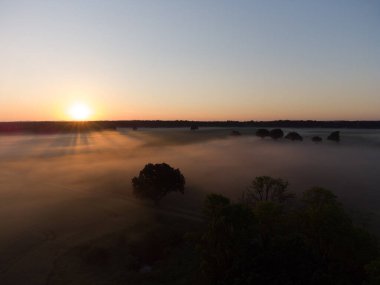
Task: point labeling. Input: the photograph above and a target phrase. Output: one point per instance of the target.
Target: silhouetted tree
(262, 133)
(157, 180)
(269, 218)
(225, 245)
(266, 188)
(234, 248)
(342, 248)
(316, 139)
(310, 242)
(276, 134)
(334, 136)
(294, 136)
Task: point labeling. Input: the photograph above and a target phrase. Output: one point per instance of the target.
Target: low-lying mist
(71, 187)
(211, 160)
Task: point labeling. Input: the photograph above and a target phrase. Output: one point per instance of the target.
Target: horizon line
(184, 120)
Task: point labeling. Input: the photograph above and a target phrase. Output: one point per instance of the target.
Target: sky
(192, 60)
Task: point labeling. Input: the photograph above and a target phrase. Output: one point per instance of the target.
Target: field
(66, 199)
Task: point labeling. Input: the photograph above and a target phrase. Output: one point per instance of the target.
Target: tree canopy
(294, 136)
(157, 180)
(266, 188)
(262, 133)
(312, 242)
(276, 134)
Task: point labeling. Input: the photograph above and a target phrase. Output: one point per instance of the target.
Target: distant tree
(316, 139)
(262, 133)
(157, 180)
(334, 136)
(266, 188)
(235, 133)
(276, 134)
(294, 136)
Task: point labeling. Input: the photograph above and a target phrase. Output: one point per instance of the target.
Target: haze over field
(60, 190)
(84, 160)
(41, 172)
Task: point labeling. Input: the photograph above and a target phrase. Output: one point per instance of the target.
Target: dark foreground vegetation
(270, 236)
(61, 127)
(267, 236)
(268, 240)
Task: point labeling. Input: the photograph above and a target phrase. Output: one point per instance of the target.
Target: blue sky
(173, 59)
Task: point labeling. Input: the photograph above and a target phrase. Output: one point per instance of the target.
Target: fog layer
(59, 190)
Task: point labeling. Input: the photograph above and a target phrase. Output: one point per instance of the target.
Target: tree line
(63, 126)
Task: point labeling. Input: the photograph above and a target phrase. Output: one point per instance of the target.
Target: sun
(80, 112)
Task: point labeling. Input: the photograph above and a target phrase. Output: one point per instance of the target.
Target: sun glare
(80, 112)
